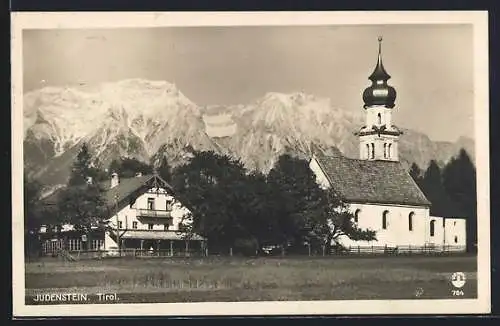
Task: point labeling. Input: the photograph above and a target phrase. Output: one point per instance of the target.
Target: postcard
(250, 163)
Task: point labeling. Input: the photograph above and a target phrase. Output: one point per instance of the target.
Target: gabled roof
(365, 181)
(132, 187)
(127, 190)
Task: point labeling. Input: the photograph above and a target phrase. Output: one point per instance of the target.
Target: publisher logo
(458, 279)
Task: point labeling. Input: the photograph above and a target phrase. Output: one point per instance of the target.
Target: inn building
(142, 213)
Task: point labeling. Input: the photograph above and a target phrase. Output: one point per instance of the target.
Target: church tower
(378, 138)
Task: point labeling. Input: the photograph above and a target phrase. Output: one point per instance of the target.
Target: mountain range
(147, 120)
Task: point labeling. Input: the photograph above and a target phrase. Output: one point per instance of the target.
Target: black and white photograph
(306, 163)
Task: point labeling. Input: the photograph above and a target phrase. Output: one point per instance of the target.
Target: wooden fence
(352, 251)
(398, 250)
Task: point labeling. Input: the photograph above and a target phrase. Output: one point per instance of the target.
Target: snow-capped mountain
(150, 119)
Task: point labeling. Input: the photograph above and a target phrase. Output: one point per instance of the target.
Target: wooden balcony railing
(153, 213)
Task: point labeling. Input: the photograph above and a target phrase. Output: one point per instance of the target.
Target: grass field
(215, 279)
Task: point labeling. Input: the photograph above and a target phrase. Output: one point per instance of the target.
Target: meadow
(222, 279)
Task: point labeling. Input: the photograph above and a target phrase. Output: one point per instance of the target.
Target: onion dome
(379, 93)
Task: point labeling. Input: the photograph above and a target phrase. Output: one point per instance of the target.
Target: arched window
(367, 150)
(379, 119)
(410, 221)
(432, 226)
(385, 150)
(456, 239)
(356, 215)
(373, 150)
(385, 215)
(389, 150)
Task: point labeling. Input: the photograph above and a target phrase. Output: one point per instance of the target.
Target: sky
(431, 65)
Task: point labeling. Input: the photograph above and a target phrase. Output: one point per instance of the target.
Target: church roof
(367, 181)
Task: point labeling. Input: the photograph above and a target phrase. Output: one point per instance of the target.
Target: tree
(128, 167)
(337, 221)
(416, 173)
(82, 167)
(459, 179)
(210, 185)
(296, 200)
(32, 214)
(164, 170)
(81, 204)
(32, 191)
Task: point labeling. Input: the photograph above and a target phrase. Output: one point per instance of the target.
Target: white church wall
(397, 231)
(321, 179)
(455, 232)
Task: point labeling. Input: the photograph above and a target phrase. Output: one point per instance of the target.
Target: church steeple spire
(379, 73)
(378, 139)
(379, 93)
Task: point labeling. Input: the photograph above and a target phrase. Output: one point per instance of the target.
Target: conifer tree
(459, 178)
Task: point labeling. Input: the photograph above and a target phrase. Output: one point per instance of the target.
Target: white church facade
(380, 193)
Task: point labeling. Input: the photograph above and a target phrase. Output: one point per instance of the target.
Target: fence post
(372, 249)
(231, 251)
(359, 250)
(323, 248)
(172, 248)
(309, 249)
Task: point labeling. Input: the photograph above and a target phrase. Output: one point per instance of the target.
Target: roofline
(428, 204)
(331, 188)
(418, 187)
(449, 218)
(387, 203)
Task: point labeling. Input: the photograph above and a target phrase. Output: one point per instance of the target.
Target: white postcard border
(42, 20)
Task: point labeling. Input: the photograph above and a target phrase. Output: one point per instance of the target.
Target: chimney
(115, 180)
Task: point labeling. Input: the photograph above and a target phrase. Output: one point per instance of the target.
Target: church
(378, 190)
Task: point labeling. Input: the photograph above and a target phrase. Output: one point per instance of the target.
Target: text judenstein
(60, 297)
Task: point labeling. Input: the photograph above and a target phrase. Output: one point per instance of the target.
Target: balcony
(152, 213)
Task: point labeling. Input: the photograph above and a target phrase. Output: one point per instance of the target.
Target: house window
(432, 226)
(165, 227)
(456, 239)
(389, 150)
(356, 215)
(373, 150)
(379, 119)
(410, 221)
(151, 203)
(455, 223)
(367, 150)
(120, 225)
(385, 214)
(134, 225)
(150, 226)
(168, 205)
(385, 150)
